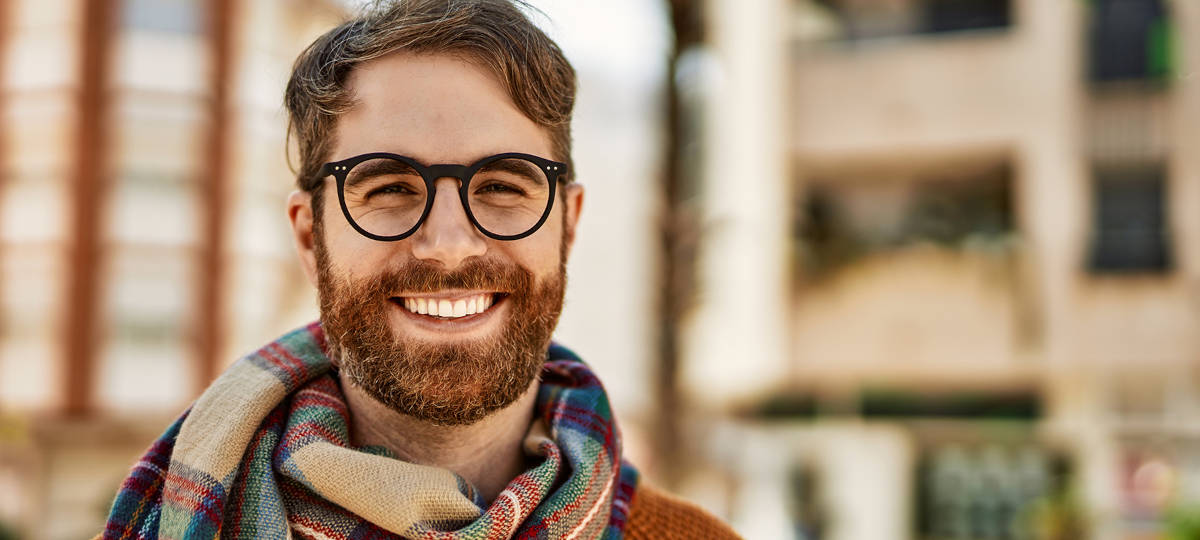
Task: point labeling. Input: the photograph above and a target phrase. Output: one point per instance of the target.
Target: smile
(448, 307)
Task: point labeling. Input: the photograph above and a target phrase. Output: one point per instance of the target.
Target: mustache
(419, 276)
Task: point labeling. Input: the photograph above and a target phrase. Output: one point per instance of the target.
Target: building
(142, 201)
(140, 242)
(948, 275)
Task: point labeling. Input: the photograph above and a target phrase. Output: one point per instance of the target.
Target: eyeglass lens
(386, 197)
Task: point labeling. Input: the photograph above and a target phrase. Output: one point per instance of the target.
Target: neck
(487, 453)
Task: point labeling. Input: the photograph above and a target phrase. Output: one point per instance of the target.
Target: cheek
(350, 253)
(541, 252)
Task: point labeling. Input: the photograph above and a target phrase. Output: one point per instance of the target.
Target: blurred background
(850, 269)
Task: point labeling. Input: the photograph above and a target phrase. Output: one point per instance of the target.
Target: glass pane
(172, 16)
(145, 360)
(1130, 231)
(156, 157)
(172, 63)
(867, 19)
(1130, 40)
(146, 377)
(30, 300)
(31, 287)
(33, 209)
(152, 209)
(29, 372)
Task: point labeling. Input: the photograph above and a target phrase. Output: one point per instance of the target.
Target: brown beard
(446, 384)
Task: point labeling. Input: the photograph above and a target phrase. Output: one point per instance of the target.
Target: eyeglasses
(387, 197)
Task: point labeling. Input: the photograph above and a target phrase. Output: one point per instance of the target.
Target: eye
(399, 189)
(499, 188)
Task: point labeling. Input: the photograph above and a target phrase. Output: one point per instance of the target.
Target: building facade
(141, 243)
(949, 268)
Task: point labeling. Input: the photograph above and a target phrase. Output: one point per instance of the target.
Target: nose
(447, 236)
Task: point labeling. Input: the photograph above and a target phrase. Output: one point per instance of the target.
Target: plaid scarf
(265, 453)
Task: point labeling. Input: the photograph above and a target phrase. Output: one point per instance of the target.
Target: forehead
(435, 108)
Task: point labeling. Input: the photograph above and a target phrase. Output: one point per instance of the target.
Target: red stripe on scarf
(281, 358)
(194, 504)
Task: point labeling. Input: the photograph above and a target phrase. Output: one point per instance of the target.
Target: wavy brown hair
(495, 34)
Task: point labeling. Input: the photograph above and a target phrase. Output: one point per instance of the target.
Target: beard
(456, 383)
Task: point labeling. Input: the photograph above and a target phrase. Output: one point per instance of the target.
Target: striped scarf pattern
(265, 452)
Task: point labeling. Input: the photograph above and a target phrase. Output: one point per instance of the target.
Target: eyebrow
(511, 166)
(377, 167)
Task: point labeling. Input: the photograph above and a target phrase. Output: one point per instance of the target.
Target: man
(435, 214)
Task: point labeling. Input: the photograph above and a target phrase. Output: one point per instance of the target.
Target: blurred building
(142, 244)
(947, 274)
(143, 240)
(949, 270)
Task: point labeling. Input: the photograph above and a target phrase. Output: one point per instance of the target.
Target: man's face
(446, 369)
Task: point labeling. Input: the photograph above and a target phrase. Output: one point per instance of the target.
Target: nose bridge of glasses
(438, 174)
(447, 218)
(447, 170)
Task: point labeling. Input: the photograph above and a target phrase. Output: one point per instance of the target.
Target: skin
(437, 109)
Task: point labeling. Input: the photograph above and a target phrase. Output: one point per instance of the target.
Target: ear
(573, 195)
(299, 211)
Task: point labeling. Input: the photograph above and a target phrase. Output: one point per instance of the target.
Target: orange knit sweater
(656, 515)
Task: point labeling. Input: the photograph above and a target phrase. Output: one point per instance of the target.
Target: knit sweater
(659, 516)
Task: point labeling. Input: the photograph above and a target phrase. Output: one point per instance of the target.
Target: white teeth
(446, 308)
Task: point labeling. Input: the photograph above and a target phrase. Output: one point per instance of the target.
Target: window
(809, 515)
(170, 16)
(842, 220)
(966, 404)
(992, 489)
(866, 19)
(1130, 232)
(1130, 40)
(953, 15)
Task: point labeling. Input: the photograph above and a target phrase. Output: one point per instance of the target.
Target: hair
(495, 34)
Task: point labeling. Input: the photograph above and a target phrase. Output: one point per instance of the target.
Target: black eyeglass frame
(555, 171)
